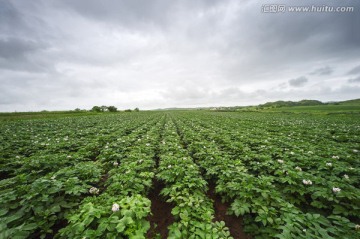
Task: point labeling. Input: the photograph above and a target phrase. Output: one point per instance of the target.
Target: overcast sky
(150, 54)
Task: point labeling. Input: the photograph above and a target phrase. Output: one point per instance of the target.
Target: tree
(96, 109)
(112, 108)
(104, 108)
(136, 109)
(128, 110)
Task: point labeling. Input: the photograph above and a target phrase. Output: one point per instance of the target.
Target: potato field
(181, 174)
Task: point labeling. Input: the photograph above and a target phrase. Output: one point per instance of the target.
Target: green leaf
(120, 227)
(175, 211)
(3, 211)
(55, 209)
(29, 227)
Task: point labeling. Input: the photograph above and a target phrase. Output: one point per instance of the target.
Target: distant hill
(281, 103)
(274, 105)
(174, 108)
(349, 102)
(309, 107)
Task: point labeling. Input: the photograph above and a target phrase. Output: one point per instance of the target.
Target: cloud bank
(151, 54)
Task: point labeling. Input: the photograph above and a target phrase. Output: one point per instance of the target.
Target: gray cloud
(298, 82)
(15, 48)
(323, 71)
(11, 21)
(354, 70)
(23, 39)
(354, 80)
(20, 55)
(136, 14)
(152, 54)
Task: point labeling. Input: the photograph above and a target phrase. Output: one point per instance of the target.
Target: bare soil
(233, 222)
(161, 216)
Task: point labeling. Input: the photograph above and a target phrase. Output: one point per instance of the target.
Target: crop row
(186, 189)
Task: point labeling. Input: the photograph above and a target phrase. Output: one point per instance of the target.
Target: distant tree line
(108, 109)
(104, 108)
(130, 110)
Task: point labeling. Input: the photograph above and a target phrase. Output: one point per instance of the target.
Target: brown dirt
(161, 216)
(101, 183)
(231, 221)
(59, 225)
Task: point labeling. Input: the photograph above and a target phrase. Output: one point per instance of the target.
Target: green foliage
(96, 109)
(95, 218)
(104, 108)
(260, 167)
(112, 109)
(283, 175)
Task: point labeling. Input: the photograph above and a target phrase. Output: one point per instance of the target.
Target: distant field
(321, 109)
(42, 115)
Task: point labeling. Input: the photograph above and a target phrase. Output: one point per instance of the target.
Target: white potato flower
(115, 207)
(94, 190)
(307, 182)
